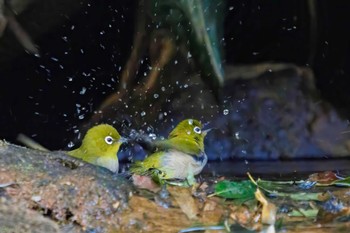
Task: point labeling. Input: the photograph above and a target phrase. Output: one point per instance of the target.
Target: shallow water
(278, 169)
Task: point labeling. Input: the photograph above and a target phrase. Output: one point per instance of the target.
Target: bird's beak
(123, 140)
(204, 132)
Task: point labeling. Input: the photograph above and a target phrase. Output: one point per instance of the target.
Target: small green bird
(181, 156)
(100, 146)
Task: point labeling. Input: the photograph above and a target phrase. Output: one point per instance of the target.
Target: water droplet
(226, 111)
(156, 96)
(70, 144)
(189, 55)
(152, 136)
(237, 135)
(143, 113)
(83, 90)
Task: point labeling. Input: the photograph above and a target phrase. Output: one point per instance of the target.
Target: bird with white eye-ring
(109, 140)
(100, 146)
(197, 130)
(181, 156)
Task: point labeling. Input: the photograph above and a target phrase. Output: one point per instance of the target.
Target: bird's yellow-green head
(100, 146)
(190, 134)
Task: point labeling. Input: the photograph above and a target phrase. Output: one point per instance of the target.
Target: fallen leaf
(327, 177)
(269, 210)
(241, 214)
(235, 190)
(209, 205)
(308, 213)
(203, 186)
(145, 182)
(342, 182)
(185, 200)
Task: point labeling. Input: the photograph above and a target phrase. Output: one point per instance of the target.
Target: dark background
(48, 97)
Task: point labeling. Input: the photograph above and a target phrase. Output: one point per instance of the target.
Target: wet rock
(88, 196)
(14, 218)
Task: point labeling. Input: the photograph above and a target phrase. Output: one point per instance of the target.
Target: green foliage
(235, 190)
(286, 189)
(199, 22)
(245, 190)
(309, 213)
(342, 182)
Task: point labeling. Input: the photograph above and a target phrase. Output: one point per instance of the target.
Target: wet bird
(100, 146)
(181, 156)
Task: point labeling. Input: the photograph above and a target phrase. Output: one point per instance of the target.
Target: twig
(27, 141)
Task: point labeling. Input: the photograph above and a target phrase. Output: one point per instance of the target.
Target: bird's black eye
(197, 130)
(109, 140)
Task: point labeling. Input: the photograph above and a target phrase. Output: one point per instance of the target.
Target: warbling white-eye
(100, 146)
(181, 156)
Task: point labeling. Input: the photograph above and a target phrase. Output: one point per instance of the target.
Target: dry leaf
(326, 177)
(145, 182)
(183, 197)
(209, 205)
(269, 210)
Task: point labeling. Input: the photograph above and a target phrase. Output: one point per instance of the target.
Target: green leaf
(201, 23)
(245, 190)
(276, 186)
(286, 189)
(309, 213)
(344, 182)
(303, 196)
(235, 190)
